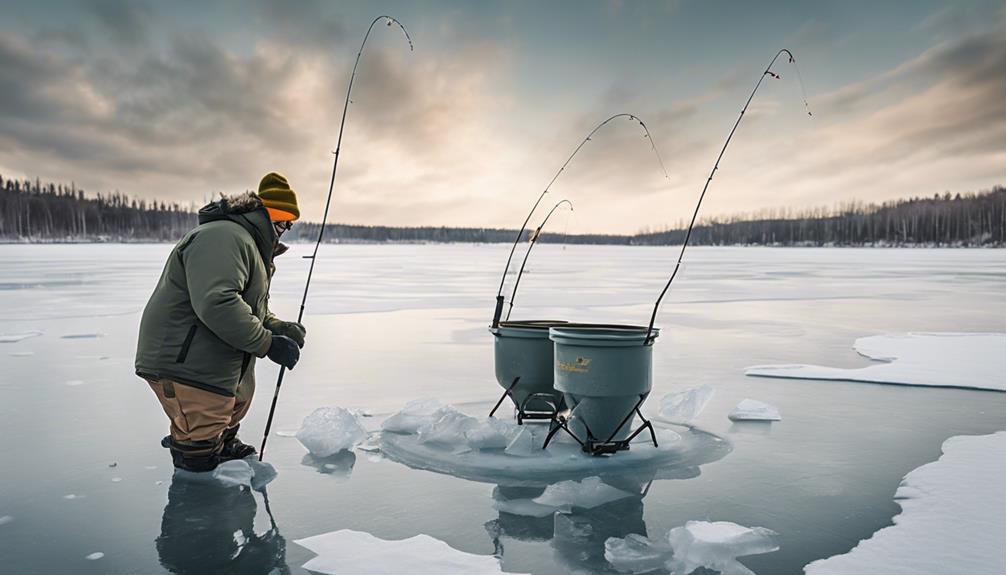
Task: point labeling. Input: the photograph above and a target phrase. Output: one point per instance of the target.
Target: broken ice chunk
(586, 494)
(716, 545)
(248, 472)
(347, 551)
(329, 430)
(414, 415)
(447, 426)
(754, 410)
(684, 406)
(491, 433)
(523, 507)
(233, 473)
(527, 443)
(636, 554)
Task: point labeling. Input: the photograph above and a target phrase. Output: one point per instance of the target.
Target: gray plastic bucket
(523, 349)
(602, 371)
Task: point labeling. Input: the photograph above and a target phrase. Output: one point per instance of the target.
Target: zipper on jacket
(186, 344)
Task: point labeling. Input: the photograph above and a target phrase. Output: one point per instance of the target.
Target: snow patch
(329, 430)
(95, 556)
(5, 519)
(971, 360)
(74, 383)
(684, 406)
(951, 517)
(21, 353)
(82, 336)
(754, 410)
(347, 551)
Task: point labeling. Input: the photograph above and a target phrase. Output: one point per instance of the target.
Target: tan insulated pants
(198, 415)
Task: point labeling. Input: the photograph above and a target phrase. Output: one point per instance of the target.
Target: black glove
(284, 351)
(292, 330)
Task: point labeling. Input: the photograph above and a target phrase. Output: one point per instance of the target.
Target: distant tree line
(31, 211)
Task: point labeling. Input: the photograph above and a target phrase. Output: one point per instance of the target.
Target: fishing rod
(768, 72)
(534, 239)
(328, 201)
(499, 294)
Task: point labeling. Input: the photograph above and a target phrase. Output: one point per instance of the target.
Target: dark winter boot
(233, 447)
(197, 456)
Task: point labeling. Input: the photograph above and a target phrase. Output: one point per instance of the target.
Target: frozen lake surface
(86, 488)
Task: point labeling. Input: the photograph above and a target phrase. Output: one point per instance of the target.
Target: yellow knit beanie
(278, 198)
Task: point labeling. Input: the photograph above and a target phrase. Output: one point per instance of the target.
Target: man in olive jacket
(208, 319)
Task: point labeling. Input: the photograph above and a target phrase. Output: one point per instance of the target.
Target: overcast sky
(179, 101)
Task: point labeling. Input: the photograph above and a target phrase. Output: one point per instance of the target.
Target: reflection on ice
(347, 551)
(339, 465)
(209, 528)
(636, 554)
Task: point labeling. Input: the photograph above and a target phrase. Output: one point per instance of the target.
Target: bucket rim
(602, 332)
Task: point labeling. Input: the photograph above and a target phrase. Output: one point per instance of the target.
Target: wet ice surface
(975, 360)
(952, 514)
(347, 551)
(390, 324)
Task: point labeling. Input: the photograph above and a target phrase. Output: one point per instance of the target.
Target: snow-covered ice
(684, 406)
(972, 360)
(329, 430)
(951, 520)
(636, 554)
(94, 556)
(247, 472)
(347, 551)
(414, 415)
(16, 337)
(754, 410)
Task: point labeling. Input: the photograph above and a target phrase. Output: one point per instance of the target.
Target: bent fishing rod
(328, 201)
(768, 72)
(646, 134)
(534, 239)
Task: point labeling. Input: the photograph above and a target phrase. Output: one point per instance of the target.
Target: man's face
(281, 227)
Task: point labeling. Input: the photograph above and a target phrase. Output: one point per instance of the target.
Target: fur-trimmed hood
(227, 205)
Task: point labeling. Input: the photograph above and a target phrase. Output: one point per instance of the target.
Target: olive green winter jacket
(207, 318)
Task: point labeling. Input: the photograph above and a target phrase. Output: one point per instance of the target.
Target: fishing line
(646, 134)
(768, 72)
(534, 239)
(328, 201)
